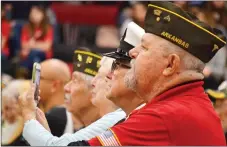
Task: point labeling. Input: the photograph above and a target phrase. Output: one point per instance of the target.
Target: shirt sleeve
(37, 135)
(139, 130)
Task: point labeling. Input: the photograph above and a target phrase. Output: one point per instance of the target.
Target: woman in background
(6, 28)
(37, 38)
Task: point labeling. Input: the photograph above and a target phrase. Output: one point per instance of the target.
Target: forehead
(149, 38)
(76, 75)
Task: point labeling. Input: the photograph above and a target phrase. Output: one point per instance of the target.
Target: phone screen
(36, 79)
(37, 82)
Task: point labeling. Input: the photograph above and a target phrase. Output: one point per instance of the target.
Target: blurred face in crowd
(36, 15)
(54, 75)
(118, 87)
(77, 93)
(10, 109)
(139, 12)
(10, 106)
(148, 66)
(101, 86)
(2, 13)
(218, 4)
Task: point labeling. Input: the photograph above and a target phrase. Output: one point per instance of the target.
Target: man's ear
(172, 66)
(55, 85)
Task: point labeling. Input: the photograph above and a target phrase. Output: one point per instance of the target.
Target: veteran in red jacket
(168, 74)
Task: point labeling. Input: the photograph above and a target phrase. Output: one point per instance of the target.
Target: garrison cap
(86, 62)
(216, 94)
(182, 28)
(131, 38)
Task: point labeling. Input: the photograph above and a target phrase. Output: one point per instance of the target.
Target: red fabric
(70, 67)
(25, 37)
(182, 116)
(85, 14)
(6, 28)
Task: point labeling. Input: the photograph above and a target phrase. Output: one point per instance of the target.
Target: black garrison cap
(182, 28)
(86, 62)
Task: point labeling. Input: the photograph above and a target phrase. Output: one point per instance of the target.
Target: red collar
(192, 88)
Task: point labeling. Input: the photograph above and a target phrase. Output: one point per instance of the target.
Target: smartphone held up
(36, 79)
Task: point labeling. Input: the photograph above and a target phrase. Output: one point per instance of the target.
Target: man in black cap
(167, 73)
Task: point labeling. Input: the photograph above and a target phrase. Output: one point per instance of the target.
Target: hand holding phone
(36, 79)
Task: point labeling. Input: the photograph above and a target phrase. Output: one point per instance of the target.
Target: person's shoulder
(179, 109)
(57, 110)
(118, 112)
(111, 119)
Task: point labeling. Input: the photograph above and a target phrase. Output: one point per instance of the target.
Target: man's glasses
(116, 64)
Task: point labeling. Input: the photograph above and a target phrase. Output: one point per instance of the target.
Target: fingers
(41, 113)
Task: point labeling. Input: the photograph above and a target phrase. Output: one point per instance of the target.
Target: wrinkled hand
(28, 104)
(41, 118)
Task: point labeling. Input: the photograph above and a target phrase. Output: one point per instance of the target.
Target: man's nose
(109, 75)
(93, 81)
(133, 53)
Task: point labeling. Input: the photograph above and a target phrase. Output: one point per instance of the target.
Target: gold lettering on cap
(175, 39)
(167, 18)
(90, 71)
(157, 12)
(98, 63)
(215, 47)
(79, 57)
(89, 59)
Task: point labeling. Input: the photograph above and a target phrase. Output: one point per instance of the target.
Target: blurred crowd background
(34, 31)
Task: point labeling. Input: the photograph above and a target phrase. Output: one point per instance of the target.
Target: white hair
(15, 88)
(87, 78)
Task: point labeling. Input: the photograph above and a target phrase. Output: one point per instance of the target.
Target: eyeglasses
(116, 64)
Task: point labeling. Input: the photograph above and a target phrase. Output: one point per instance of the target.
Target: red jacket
(182, 116)
(6, 28)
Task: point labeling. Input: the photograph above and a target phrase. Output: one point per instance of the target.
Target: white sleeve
(37, 135)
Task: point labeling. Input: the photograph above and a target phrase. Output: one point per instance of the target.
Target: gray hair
(14, 88)
(87, 78)
(189, 61)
